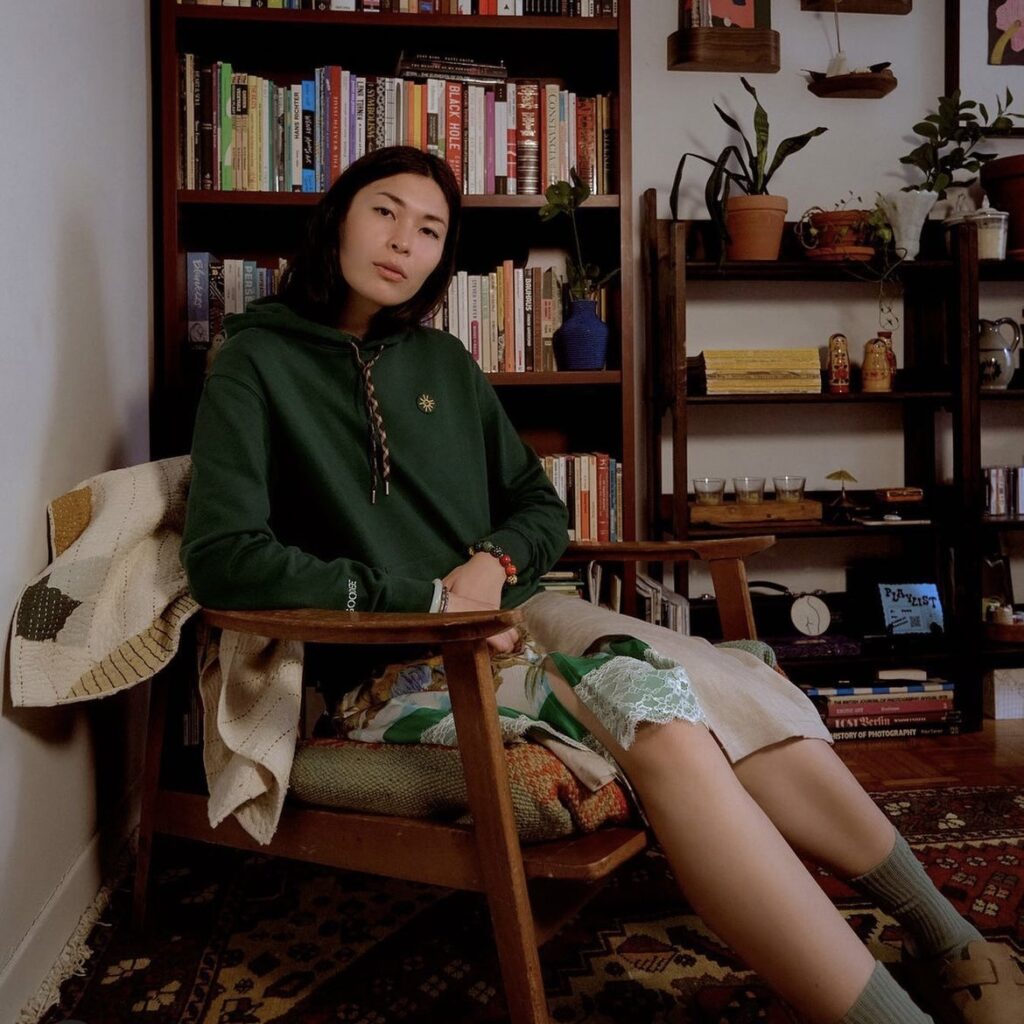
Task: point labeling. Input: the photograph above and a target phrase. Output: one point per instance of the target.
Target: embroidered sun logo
(426, 403)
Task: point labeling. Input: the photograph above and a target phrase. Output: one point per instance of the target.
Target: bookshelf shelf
(1003, 523)
(854, 398)
(408, 22)
(1010, 395)
(219, 197)
(807, 270)
(560, 378)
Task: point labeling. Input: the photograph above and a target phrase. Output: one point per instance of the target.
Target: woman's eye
(384, 211)
(432, 233)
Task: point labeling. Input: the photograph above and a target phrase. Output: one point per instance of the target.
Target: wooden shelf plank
(559, 378)
(854, 398)
(1005, 395)
(859, 6)
(1001, 270)
(217, 197)
(404, 21)
(805, 270)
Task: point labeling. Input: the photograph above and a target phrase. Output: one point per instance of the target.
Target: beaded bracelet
(505, 560)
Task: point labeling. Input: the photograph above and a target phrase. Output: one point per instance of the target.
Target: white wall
(75, 338)
(672, 114)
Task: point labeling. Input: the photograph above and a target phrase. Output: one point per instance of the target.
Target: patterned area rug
(243, 939)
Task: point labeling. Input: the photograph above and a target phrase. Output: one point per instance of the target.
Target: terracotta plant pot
(839, 235)
(755, 226)
(1003, 180)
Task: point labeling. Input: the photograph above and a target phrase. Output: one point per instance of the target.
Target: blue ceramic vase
(581, 343)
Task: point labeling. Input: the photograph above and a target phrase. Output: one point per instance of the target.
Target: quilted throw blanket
(107, 613)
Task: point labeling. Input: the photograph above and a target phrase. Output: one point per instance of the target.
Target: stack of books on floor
(893, 708)
(779, 371)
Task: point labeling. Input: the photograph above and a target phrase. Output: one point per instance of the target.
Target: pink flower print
(1008, 15)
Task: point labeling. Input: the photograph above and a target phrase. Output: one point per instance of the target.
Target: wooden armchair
(486, 856)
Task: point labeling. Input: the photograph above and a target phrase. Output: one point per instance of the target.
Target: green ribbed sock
(902, 888)
(883, 1002)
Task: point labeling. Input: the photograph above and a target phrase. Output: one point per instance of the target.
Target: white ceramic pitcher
(995, 351)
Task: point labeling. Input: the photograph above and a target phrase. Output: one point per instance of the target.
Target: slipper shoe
(983, 985)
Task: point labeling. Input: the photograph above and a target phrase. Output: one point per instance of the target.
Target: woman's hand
(480, 579)
(466, 581)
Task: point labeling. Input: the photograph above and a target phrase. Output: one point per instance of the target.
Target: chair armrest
(318, 625)
(668, 550)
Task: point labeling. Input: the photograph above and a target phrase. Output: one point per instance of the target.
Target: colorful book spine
(198, 301)
(893, 705)
(930, 686)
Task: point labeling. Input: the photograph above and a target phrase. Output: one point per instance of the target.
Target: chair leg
(468, 667)
(156, 720)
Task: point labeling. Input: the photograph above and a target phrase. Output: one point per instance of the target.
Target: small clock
(810, 615)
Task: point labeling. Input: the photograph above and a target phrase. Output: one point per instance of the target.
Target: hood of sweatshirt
(270, 315)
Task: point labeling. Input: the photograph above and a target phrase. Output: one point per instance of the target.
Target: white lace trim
(624, 692)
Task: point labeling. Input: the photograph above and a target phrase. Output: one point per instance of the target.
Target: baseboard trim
(55, 946)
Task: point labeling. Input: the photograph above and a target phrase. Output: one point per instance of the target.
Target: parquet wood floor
(994, 756)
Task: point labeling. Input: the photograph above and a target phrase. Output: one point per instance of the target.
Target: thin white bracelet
(435, 601)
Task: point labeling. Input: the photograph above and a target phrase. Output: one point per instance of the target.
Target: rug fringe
(76, 952)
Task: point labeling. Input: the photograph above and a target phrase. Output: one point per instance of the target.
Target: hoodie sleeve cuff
(407, 595)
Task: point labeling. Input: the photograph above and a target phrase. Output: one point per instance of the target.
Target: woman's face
(392, 239)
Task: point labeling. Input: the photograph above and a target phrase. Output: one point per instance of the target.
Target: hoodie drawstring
(380, 456)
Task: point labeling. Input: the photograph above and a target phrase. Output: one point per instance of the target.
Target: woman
(346, 457)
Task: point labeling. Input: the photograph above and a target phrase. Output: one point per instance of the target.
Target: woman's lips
(388, 273)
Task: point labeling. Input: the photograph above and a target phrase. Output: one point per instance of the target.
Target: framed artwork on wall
(985, 50)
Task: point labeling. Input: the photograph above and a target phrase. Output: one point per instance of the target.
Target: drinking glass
(749, 489)
(789, 488)
(709, 490)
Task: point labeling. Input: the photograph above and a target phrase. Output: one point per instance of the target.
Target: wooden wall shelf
(854, 86)
(750, 50)
(859, 6)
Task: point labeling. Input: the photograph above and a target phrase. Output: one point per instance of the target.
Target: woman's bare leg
(818, 805)
(736, 869)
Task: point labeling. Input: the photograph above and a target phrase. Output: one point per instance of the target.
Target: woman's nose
(399, 244)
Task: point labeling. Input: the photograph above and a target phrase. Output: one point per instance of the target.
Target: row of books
(661, 605)
(509, 8)
(590, 484)
(760, 371)
(888, 710)
(242, 132)
(217, 287)
(507, 318)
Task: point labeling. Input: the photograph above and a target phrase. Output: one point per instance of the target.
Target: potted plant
(749, 225)
(848, 231)
(581, 343)
(948, 146)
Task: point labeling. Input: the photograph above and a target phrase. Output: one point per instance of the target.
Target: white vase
(907, 212)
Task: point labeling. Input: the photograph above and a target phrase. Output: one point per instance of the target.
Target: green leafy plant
(748, 169)
(566, 198)
(950, 140)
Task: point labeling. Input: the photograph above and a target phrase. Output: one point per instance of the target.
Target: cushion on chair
(426, 781)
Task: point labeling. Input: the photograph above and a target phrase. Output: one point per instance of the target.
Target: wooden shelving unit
(940, 375)
(553, 410)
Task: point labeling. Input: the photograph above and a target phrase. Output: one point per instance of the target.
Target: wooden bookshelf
(589, 55)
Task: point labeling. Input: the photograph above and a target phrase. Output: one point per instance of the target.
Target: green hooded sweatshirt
(288, 506)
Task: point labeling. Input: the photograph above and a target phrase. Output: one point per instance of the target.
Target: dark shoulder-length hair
(312, 284)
